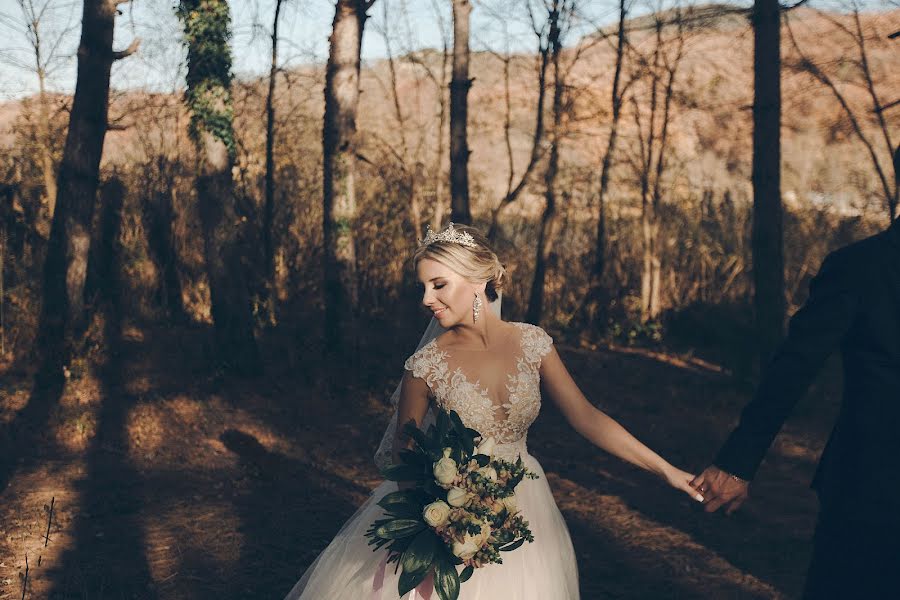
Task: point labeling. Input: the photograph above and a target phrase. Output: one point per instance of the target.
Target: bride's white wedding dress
(498, 394)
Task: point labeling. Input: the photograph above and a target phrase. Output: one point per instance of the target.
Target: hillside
(710, 128)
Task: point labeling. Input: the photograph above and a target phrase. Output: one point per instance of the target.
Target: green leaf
(442, 424)
(415, 458)
(423, 442)
(468, 441)
(513, 546)
(420, 554)
(398, 547)
(405, 510)
(402, 473)
(410, 580)
(446, 580)
(400, 497)
(482, 459)
(431, 487)
(466, 573)
(502, 536)
(398, 528)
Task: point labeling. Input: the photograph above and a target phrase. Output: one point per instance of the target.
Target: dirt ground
(171, 481)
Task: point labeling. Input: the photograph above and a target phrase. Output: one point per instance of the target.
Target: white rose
(511, 504)
(489, 473)
(457, 497)
(436, 513)
(486, 447)
(445, 470)
(467, 548)
(471, 544)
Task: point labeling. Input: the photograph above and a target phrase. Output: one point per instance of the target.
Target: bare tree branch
(131, 49)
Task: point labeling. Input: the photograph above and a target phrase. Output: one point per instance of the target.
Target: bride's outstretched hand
(681, 480)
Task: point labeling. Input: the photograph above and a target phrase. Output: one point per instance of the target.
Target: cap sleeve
(423, 362)
(536, 343)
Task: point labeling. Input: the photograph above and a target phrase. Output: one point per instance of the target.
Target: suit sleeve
(815, 332)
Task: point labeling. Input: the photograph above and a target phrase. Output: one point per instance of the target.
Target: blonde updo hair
(474, 264)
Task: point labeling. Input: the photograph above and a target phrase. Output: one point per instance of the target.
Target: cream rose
(445, 470)
(511, 504)
(467, 548)
(471, 544)
(457, 497)
(436, 513)
(486, 447)
(489, 473)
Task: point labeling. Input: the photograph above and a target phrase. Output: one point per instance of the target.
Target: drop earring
(476, 308)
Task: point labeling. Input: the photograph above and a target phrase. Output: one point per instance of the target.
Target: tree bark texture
(65, 266)
(767, 235)
(47, 169)
(339, 172)
(460, 84)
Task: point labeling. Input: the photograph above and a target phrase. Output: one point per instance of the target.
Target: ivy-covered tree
(207, 32)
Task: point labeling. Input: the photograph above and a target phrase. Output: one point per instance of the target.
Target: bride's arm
(601, 429)
(413, 405)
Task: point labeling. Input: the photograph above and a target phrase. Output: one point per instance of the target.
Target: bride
(491, 372)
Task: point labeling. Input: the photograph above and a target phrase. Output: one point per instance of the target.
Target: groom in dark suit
(854, 305)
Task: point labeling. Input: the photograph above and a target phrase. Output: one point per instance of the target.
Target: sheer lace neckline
(496, 392)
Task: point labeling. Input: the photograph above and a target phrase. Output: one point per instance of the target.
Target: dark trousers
(853, 560)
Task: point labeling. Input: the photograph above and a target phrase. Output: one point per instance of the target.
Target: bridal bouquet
(460, 508)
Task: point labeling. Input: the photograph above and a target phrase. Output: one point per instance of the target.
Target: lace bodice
(496, 393)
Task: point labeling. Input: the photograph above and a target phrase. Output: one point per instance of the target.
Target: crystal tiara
(451, 235)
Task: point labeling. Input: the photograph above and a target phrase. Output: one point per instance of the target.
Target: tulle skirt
(349, 569)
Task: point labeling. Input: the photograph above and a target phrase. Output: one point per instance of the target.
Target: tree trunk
(649, 260)
(46, 150)
(65, 266)
(207, 30)
(229, 296)
(536, 297)
(896, 163)
(339, 171)
(459, 115)
(654, 305)
(438, 215)
(767, 237)
(269, 213)
(649, 226)
(106, 259)
(592, 313)
(158, 217)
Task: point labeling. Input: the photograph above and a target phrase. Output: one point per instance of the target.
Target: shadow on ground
(199, 485)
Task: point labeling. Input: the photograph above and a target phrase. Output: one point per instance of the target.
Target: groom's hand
(720, 489)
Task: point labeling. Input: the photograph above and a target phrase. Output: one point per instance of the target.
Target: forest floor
(171, 481)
